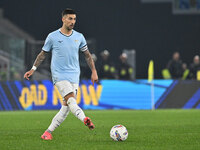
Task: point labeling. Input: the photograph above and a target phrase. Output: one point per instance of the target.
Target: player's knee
(68, 97)
(71, 101)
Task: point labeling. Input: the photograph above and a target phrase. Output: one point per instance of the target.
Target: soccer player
(64, 44)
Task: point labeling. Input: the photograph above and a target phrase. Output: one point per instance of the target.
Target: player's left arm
(90, 62)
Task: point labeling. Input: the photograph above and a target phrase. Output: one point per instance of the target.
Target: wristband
(34, 68)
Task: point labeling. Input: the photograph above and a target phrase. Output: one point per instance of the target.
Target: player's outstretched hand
(28, 74)
(94, 77)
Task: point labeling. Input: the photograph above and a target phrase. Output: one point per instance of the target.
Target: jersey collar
(65, 34)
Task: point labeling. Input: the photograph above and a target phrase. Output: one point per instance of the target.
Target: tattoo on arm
(40, 58)
(89, 60)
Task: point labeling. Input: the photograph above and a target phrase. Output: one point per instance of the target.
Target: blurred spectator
(166, 74)
(194, 67)
(125, 71)
(175, 66)
(106, 68)
(186, 71)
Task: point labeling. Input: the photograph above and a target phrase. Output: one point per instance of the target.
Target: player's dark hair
(68, 11)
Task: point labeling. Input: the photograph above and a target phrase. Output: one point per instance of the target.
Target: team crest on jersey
(76, 40)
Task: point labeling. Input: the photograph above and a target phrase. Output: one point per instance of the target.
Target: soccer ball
(119, 133)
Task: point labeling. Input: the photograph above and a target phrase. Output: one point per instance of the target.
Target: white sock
(75, 109)
(59, 118)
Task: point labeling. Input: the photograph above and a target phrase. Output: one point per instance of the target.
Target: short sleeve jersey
(65, 55)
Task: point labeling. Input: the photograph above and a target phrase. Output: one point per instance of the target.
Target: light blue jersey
(65, 55)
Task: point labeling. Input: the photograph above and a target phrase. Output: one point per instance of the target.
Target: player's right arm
(40, 58)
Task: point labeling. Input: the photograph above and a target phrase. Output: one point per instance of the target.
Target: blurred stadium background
(143, 29)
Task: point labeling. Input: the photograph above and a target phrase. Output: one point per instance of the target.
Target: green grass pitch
(148, 130)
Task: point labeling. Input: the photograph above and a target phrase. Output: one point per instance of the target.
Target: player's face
(69, 21)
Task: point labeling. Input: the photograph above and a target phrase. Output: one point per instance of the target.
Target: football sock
(59, 118)
(75, 109)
